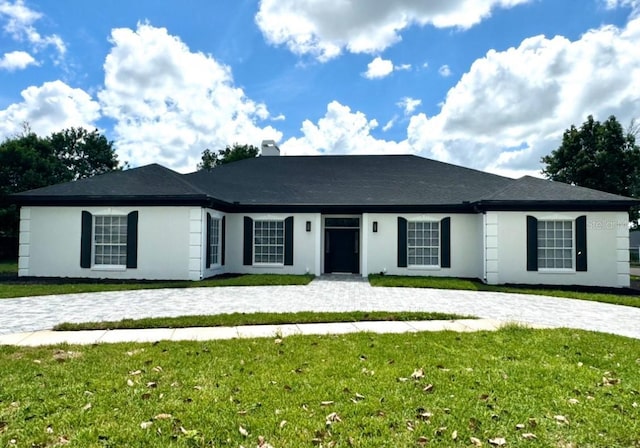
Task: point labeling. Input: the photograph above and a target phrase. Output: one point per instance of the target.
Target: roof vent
(269, 148)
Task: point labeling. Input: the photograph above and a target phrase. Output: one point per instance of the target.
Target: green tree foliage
(230, 154)
(29, 161)
(83, 153)
(597, 155)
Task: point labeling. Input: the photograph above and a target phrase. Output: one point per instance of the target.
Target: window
(110, 240)
(268, 242)
(555, 244)
(214, 244)
(423, 243)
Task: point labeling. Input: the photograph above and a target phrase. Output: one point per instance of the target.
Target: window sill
(556, 271)
(424, 268)
(268, 265)
(109, 267)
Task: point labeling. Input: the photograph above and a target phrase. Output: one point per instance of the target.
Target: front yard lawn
(235, 319)
(514, 387)
(476, 285)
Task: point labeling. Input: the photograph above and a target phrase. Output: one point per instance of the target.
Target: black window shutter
(532, 243)
(222, 240)
(132, 240)
(445, 243)
(247, 256)
(402, 242)
(85, 240)
(208, 242)
(288, 241)
(581, 243)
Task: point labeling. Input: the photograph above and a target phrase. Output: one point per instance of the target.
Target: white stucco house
(397, 214)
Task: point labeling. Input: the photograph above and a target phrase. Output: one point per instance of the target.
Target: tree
(230, 154)
(83, 153)
(29, 161)
(602, 156)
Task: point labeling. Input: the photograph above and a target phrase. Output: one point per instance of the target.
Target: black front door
(342, 250)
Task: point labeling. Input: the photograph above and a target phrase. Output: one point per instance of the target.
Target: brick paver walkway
(38, 313)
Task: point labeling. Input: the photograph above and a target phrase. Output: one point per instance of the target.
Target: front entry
(342, 250)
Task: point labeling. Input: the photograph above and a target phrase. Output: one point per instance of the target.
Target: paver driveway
(37, 313)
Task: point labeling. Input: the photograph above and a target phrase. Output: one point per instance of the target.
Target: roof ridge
(181, 178)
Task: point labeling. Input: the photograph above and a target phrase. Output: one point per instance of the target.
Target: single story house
(393, 214)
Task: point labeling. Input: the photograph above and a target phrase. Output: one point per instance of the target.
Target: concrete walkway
(25, 315)
(48, 337)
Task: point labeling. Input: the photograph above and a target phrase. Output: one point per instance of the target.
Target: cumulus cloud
(633, 4)
(49, 108)
(444, 71)
(341, 131)
(381, 68)
(19, 24)
(389, 124)
(324, 28)
(378, 68)
(409, 104)
(16, 60)
(512, 106)
(170, 103)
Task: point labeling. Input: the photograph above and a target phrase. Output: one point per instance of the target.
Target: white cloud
(381, 68)
(512, 106)
(170, 103)
(633, 4)
(389, 124)
(16, 60)
(19, 24)
(444, 71)
(49, 108)
(341, 131)
(409, 104)
(378, 68)
(324, 28)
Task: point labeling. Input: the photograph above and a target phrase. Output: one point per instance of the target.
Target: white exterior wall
(167, 243)
(607, 250)
(382, 246)
(306, 245)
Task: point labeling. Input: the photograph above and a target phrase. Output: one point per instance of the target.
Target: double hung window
(268, 242)
(555, 244)
(110, 240)
(423, 243)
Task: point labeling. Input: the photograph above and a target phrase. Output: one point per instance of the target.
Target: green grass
(476, 285)
(350, 390)
(24, 289)
(8, 267)
(230, 320)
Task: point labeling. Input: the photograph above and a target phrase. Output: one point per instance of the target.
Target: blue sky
(488, 84)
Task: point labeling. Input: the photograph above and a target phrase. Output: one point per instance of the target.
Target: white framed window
(110, 241)
(214, 245)
(555, 244)
(268, 242)
(423, 243)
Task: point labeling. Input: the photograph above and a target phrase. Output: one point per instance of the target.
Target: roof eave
(132, 200)
(590, 205)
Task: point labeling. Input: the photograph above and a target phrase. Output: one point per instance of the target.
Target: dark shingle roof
(378, 182)
(529, 188)
(151, 182)
(346, 180)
